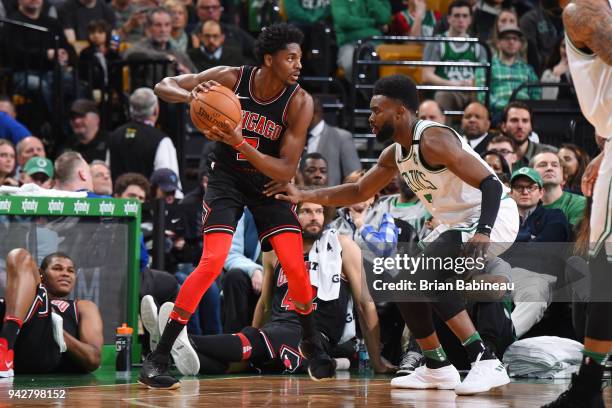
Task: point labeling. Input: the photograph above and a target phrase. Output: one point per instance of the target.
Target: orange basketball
(214, 107)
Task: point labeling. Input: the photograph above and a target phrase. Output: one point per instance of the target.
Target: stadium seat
(401, 52)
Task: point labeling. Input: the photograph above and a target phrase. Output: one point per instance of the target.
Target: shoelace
(411, 358)
(475, 369)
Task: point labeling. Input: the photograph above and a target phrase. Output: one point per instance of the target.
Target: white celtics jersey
(447, 197)
(593, 82)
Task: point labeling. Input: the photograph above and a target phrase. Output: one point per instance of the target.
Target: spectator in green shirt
(459, 20)
(548, 165)
(313, 18)
(307, 11)
(508, 72)
(356, 20)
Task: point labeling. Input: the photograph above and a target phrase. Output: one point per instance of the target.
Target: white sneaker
(184, 355)
(148, 316)
(445, 378)
(484, 375)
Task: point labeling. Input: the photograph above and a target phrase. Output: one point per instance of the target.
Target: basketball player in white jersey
(588, 25)
(458, 188)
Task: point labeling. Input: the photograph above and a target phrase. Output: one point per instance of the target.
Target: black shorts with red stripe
(230, 190)
(274, 348)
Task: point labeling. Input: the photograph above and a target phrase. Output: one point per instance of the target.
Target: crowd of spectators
(139, 160)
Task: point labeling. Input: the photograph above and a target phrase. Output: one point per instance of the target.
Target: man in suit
(475, 125)
(213, 50)
(335, 144)
(214, 10)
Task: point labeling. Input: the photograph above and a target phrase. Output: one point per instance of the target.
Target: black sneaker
(410, 362)
(578, 395)
(155, 373)
(320, 365)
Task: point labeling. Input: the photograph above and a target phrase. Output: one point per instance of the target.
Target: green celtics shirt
(572, 206)
(454, 52)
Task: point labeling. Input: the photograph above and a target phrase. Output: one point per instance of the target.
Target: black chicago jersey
(35, 349)
(263, 122)
(234, 183)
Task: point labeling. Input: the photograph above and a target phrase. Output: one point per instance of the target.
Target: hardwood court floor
(103, 390)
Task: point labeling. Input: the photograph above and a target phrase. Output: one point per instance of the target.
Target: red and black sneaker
(6, 360)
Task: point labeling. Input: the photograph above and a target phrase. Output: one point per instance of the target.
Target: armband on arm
(491, 189)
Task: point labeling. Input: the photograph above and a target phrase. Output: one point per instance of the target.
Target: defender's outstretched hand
(477, 246)
(292, 193)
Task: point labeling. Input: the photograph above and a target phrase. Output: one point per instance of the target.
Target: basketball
(214, 107)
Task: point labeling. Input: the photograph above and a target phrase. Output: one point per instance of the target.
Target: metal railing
(359, 80)
(329, 84)
(357, 77)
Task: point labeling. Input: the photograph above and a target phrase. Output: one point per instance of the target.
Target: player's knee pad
(253, 344)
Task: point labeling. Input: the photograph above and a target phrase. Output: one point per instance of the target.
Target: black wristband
(484, 230)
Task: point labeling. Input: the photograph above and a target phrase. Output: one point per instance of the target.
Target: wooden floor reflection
(284, 391)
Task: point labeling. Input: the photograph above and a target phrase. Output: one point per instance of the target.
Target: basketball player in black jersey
(271, 343)
(42, 330)
(266, 146)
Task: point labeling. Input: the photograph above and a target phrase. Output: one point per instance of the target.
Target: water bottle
(115, 42)
(364, 358)
(123, 346)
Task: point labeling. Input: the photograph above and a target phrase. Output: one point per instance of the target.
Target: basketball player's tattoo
(588, 23)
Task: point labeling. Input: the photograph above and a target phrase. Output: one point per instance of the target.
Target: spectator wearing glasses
(538, 224)
(505, 146)
(212, 10)
(213, 50)
(532, 278)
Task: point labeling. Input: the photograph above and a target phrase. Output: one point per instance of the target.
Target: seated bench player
(271, 344)
(43, 331)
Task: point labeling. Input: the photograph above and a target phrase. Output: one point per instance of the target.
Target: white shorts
(504, 230)
(601, 212)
